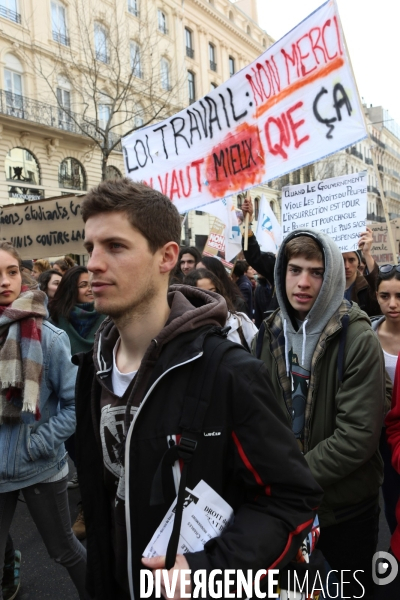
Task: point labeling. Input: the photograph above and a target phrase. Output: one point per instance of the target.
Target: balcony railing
(21, 107)
(380, 168)
(189, 52)
(10, 14)
(369, 161)
(373, 190)
(380, 144)
(213, 65)
(61, 38)
(392, 194)
(356, 153)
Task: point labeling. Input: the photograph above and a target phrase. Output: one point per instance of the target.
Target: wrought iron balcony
(213, 65)
(189, 52)
(377, 141)
(380, 168)
(21, 107)
(373, 190)
(10, 14)
(356, 153)
(61, 38)
(369, 161)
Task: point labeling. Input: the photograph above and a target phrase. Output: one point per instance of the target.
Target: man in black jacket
(135, 399)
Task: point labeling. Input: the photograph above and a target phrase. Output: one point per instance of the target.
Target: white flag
(269, 232)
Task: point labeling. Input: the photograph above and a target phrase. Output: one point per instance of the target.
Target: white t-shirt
(120, 381)
(390, 364)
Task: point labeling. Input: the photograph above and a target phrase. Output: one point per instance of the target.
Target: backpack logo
(212, 434)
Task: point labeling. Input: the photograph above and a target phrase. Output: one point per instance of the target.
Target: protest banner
(269, 230)
(295, 104)
(336, 206)
(44, 228)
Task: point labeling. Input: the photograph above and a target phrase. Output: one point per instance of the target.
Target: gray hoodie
(301, 338)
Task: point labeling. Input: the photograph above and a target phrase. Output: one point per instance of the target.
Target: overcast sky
(372, 31)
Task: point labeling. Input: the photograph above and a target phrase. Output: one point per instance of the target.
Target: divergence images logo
(384, 568)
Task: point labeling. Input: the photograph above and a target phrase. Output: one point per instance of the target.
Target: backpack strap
(260, 339)
(194, 411)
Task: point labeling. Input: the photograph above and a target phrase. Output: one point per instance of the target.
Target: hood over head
(303, 337)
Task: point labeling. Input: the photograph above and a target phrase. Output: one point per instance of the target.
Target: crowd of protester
(304, 422)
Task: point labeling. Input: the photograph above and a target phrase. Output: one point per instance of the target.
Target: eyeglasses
(386, 269)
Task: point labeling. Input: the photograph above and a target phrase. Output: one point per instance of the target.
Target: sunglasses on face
(386, 269)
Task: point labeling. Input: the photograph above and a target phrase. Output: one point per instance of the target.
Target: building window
(138, 121)
(192, 87)
(136, 60)
(264, 43)
(8, 9)
(104, 114)
(22, 169)
(231, 16)
(189, 43)
(59, 23)
(100, 43)
(165, 74)
(213, 86)
(239, 201)
(112, 172)
(13, 86)
(71, 175)
(231, 66)
(211, 54)
(162, 22)
(248, 30)
(256, 207)
(272, 205)
(64, 103)
(133, 7)
(139, 116)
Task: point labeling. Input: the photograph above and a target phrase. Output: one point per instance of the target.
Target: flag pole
(246, 226)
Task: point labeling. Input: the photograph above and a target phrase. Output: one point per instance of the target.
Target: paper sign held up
(335, 206)
(295, 104)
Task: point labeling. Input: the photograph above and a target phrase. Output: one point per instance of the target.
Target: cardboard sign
(295, 104)
(336, 206)
(44, 228)
(215, 245)
(381, 250)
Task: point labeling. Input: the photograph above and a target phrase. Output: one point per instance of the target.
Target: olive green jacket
(343, 420)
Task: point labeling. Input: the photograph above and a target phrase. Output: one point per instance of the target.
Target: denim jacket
(32, 453)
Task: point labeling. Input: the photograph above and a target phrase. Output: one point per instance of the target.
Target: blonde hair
(42, 265)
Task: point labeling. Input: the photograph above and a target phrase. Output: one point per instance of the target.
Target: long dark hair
(66, 295)
(194, 276)
(230, 289)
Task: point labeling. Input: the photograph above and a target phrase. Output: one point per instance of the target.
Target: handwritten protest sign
(336, 206)
(45, 227)
(293, 105)
(380, 249)
(231, 219)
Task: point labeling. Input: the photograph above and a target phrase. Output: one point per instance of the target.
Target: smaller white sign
(269, 231)
(336, 206)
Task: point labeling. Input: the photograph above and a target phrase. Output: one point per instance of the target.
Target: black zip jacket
(252, 461)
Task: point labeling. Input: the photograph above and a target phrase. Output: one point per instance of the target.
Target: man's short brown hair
(148, 211)
(305, 246)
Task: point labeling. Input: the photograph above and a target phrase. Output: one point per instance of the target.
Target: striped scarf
(21, 356)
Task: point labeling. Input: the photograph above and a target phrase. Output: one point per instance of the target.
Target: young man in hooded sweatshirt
(328, 371)
(134, 404)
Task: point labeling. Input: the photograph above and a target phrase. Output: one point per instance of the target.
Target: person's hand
(365, 241)
(247, 207)
(180, 563)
